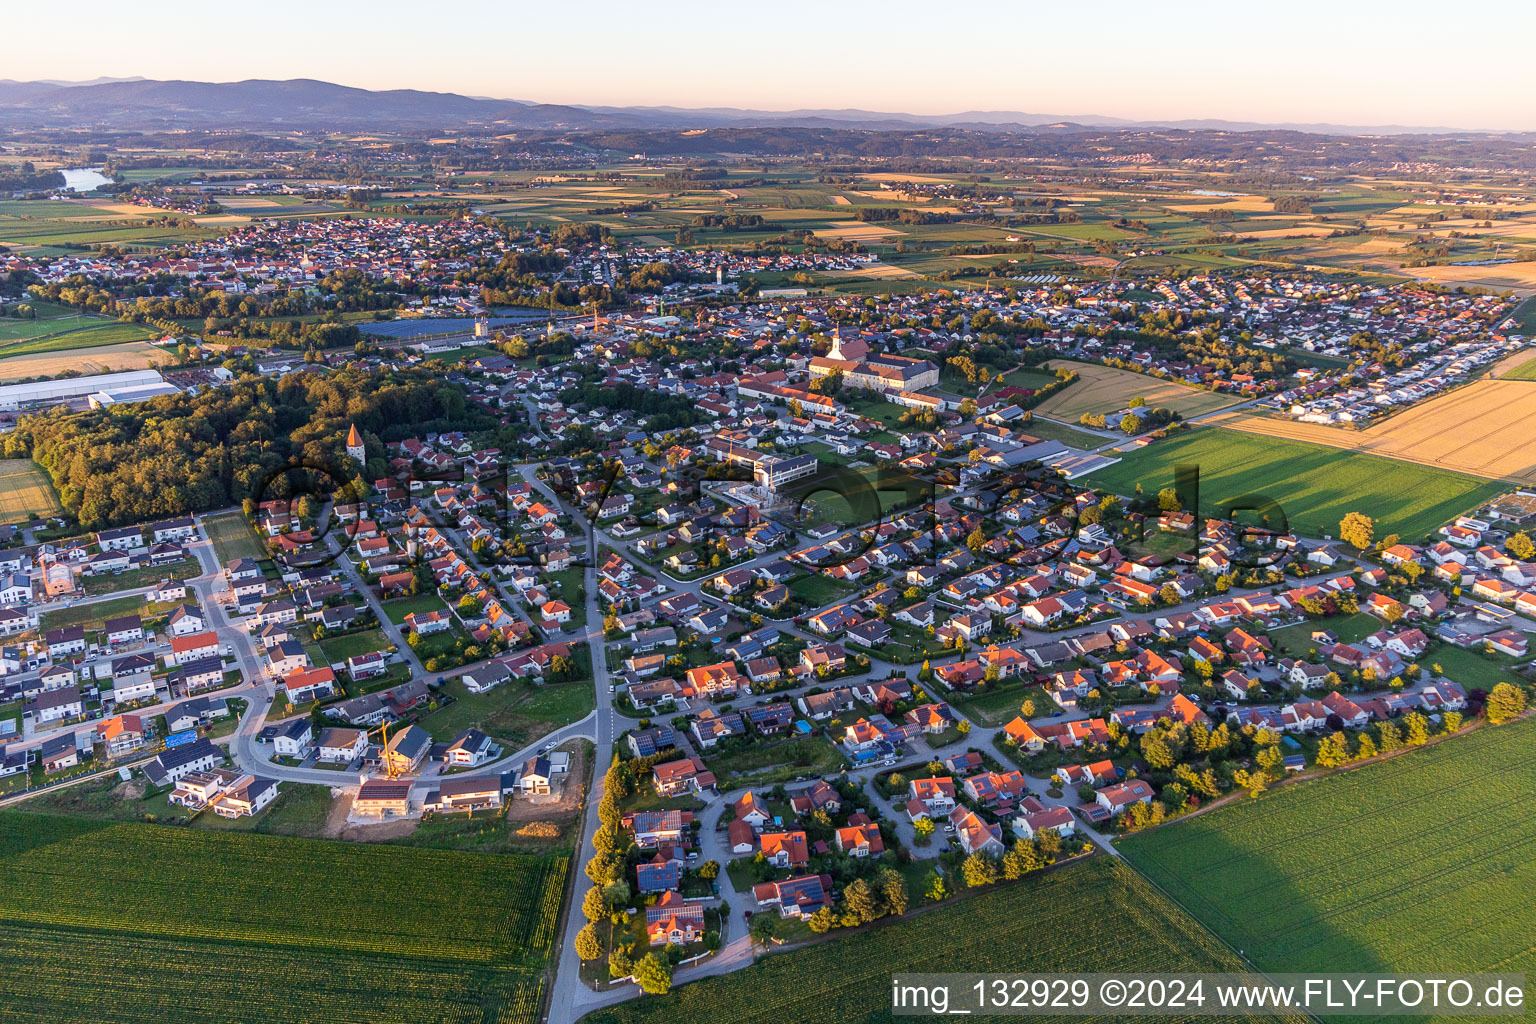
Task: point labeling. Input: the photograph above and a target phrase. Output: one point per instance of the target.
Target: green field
(341, 648)
(1039, 426)
(26, 493)
(92, 615)
(1380, 869)
(133, 922)
(1314, 485)
(232, 538)
(1097, 916)
(514, 713)
(1525, 316)
(1525, 371)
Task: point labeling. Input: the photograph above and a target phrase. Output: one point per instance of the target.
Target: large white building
(49, 392)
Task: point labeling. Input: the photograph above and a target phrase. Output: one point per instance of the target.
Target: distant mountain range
(308, 104)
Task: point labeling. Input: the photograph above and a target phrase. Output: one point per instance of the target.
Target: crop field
(1487, 429)
(25, 492)
(134, 922)
(1376, 869)
(1313, 484)
(1104, 389)
(232, 538)
(1096, 916)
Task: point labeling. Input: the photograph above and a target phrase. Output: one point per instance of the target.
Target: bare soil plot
(1486, 429)
(1104, 389)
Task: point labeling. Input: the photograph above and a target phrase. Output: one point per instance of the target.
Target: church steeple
(355, 447)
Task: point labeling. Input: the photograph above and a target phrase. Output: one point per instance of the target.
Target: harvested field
(1487, 429)
(133, 356)
(878, 270)
(1520, 277)
(1104, 389)
(246, 202)
(841, 201)
(856, 231)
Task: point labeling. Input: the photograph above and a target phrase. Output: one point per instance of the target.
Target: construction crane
(389, 762)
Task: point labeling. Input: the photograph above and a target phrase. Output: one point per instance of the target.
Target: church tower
(355, 447)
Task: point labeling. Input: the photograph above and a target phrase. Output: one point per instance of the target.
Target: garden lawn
(399, 608)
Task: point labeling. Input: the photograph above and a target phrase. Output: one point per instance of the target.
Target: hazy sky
(1345, 63)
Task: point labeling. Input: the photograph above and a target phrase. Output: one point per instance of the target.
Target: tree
(1358, 529)
(1168, 500)
(619, 964)
(1521, 546)
(593, 906)
(1451, 720)
(823, 921)
(1131, 424)
(653, 975)
(1333, 750)
(605, 839)
(1027, 708)
(976, 539)
(709, 870)
(1169, 594)
(1504, 703)
(1388, 737)
(893, 892)
(1417, 728)
(1157, 750)
(978, 870)
(588, 945)
(859, 900)
(1020, 860)
(937, 891)
(1272, 761)
(608, 811)
(1367, 748)
(762, 928)
(1254, 782)
(923, 827)
(964, 726)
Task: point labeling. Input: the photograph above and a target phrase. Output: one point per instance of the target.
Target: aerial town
(567, 573)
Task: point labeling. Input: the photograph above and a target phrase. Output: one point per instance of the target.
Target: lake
(83, 179)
